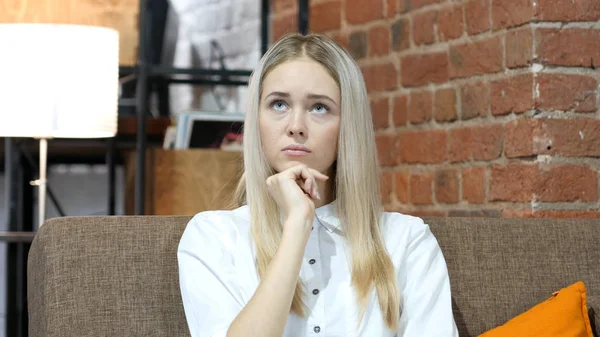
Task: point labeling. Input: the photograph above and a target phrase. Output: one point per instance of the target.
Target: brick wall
(481, 107)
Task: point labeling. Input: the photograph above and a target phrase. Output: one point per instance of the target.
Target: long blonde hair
(357, 189)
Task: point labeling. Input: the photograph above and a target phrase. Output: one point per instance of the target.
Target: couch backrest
(499, 268)
(118, 275)
(106, 276)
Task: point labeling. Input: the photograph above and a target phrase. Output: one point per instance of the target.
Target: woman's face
(299, 116)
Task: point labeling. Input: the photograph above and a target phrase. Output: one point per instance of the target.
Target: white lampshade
(58, 81)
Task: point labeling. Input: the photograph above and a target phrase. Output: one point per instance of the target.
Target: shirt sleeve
(427, 304)
(207, 277)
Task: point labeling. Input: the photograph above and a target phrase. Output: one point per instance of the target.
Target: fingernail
(318, 195)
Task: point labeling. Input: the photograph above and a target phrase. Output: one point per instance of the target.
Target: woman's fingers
(311, 182)
(318, 174)
(308, 186)
(307, 179)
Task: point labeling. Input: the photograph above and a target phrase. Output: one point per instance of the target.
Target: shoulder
(398, 224)
(402, 232)
(216, 229)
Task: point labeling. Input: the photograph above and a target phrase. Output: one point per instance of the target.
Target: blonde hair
(357, 188)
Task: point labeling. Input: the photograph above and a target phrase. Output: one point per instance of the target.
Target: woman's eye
(320, 109)
(279, 106)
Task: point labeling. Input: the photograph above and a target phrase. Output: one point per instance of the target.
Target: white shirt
(218, 277)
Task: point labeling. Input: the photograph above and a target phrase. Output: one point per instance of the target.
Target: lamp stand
(41, 182)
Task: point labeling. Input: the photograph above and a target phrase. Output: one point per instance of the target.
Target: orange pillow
(565, 314)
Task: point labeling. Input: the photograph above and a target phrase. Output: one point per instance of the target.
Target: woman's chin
(286, 164)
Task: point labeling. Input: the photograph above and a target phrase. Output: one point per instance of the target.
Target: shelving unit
(143, 78)
(149, 73)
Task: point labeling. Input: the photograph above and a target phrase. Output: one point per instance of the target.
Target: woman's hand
(294, 191)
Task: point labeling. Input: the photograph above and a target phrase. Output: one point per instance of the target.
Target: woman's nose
(297, 125)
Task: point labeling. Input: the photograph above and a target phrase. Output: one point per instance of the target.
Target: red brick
(450, 23)
(324, 16)
(523, 183)
(510, 13)
(421, 189)
(357, 44)
(561, 10)
(510, 213)
(519, 47)
(477, 16)
(567, 183)
(519, 137)
(446, 186)
(475, 100)
(427, 146)
(387, 184)
(361, 11)
(283, 5)
(487, 142)
(479, 143)
(513, 94)
(444, 108)
(284, 24)
(460, 144)
(380, 110)
(563, 137)
(473, 185)
(400, 110)
(514, 182)
(567, 137)
(392, 8)
(379, 41)
(568, 47)
(420, 107)
(566, 92)
(414, 4)
(476, 58)
(423, 69)
(424, 27)
(400, 35)
(402, 180)
(387, 149)
(380, 77)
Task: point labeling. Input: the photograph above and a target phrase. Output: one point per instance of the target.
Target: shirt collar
(327, 216)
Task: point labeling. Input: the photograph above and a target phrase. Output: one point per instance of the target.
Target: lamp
(57, 81)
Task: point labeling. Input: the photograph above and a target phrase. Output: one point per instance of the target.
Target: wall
(481, 107)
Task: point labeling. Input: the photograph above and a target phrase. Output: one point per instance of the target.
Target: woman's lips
(296, 150)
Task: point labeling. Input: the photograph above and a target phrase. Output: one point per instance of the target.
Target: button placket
(316, 319)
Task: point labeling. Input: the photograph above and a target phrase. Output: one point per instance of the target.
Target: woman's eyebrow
(310, 96)
(325, 97)
(278, 94)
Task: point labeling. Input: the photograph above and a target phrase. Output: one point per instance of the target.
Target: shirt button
(315, 291)
(312, 261)
(317, 329)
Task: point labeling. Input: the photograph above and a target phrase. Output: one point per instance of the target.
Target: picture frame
(208, 129)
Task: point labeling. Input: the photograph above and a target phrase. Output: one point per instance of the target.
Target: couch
(117, 276)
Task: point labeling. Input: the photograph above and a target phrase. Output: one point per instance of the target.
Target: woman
(310, 251)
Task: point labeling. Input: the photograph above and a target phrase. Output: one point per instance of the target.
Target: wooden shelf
(184, 182)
